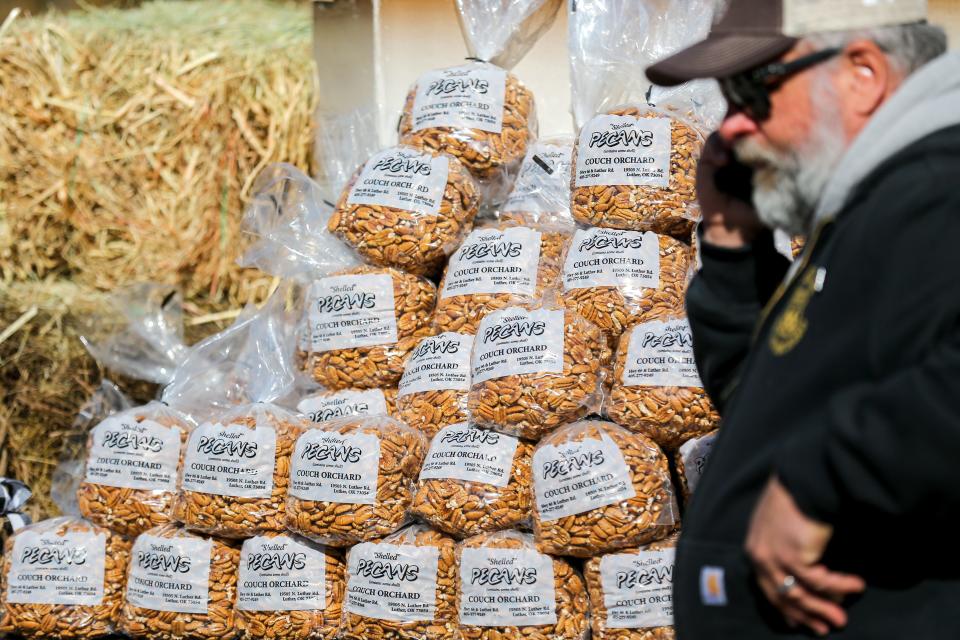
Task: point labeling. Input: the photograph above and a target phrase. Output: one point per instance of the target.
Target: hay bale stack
(130, 139)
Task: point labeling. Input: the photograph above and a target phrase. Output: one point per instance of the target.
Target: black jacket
(845, 383)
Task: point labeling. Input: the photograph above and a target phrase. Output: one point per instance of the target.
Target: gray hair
(908, 46)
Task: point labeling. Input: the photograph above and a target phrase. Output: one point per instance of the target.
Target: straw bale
(130, 139)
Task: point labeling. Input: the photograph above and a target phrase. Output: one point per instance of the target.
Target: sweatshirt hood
(928, 101)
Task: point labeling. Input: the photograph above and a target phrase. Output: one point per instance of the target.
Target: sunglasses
(750, 91)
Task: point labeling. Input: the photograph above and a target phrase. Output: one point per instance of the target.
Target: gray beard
(788, 185)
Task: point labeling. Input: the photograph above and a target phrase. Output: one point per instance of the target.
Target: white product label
(342, 404)
(544, 179)
(335, 467)
(577, 477)
(134, 455)
(280, 574)
(629, 260)
(638, 589)
(392, 582)
(232, 460)
(169, 574)
(49, 569)
(506, 587)
(694, 454)
(469, 96)
(345, 312)
(516, 341)
(463, 452)
(624, 150)
(402, 179)
(660, 354)
(493, 261)
(438, 363)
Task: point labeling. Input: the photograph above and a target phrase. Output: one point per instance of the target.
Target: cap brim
(719, 56)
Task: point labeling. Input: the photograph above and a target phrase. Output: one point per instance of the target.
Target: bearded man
(828, 502)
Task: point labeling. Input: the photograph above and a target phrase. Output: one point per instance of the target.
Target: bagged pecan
(631, 592)
(62, 578)
(541, 193)
(474, 481)
(130, 479)
(536, 369)
(656, 388)
(236, 470)
(690, 460)
(433, 390)
(477, 112)
(407, 209)
(635, 169)
(180, 586)
(359, 326)
(497, 266)
(357, 322)
(403, 587)
(322, 406)
(598, 487)
(289, 589)
(352, 479)
(616, 279)
(508, 589)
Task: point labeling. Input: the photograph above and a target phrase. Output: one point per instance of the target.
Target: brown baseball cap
(752, 32)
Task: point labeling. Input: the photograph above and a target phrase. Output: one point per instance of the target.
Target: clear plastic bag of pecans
(407, 208)
(634, 168)
(236, 463)
(616, 279)
(62, 578)
(510, 262)
(631, 592)
(323, 405)
(359, 326)
(656, 388)
(598, 487)
(130, 476)
(436, 380)
(289, 589)
(236, 471)
(180, 586)
(534, 369)
(508, 589)
(403, 587)
(351, 480)
(690, 460)
(357, 322)
(477, 112)
(541, 193)
(474, 481)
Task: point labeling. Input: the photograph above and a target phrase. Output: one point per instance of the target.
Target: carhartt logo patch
(713, 592)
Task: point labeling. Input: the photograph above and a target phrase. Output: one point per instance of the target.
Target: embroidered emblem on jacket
(791, 325)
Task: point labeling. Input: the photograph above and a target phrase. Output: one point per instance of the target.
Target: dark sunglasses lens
(747, 96)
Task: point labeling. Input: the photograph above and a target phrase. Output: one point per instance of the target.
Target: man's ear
(868, 78)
